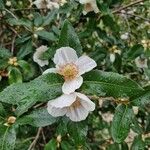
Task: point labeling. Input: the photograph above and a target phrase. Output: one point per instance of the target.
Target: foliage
(117, 38)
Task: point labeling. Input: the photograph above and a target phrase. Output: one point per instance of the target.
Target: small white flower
(124, 36)
(8, 3)
(108, 117)
(76, 106)
(38, 54)
(130, 138)
(112, 57)
(114, 50)
(135, 110)
(43, 4)
(141, 63)
(71, 68)
(90, 5)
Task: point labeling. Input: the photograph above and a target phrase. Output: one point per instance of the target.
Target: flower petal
(51, 70)
(63, 101)
(86, 102)
(85, 64)
(70, 86)
(77, 114)
(56, 112)
(65, 55)
(39, 52)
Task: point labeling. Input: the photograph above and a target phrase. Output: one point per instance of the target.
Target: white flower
(130, 138)
(112, 57)
(114, 50)
(90, 5)
(124, 36)
(141, 63)
(76, 106)
(108, 117)
(135, 109)
(43, 4)
(38, 54)
(71, 68)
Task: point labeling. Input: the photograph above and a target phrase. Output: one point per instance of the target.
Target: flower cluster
(49, 4)
(74, 105)
(89, 5)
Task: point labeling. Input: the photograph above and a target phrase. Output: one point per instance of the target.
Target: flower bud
(135, 110)
(11, 120)
(58, 138)
(35, 36)
(8, 3)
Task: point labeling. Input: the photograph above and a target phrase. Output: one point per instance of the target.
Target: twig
(36, 139)
(126, 6)
(15, 32)
(11, 13)
(126, 13)
(13, 45)
(44, 139)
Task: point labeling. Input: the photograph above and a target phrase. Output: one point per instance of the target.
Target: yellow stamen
(13, 61)
(76, 104)
(69, 71)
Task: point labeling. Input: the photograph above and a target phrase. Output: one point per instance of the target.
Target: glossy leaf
(15, 75)
(121, 123)
(49, 36)
(25, 95)
(37, 118)
(7, 138)
(110, 84)
(143, 99)
(68, 37)
(138, 143)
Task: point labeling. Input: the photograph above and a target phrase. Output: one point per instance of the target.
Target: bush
(42, 108)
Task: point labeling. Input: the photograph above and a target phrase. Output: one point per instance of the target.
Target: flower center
(69, 71)
(76, 104)
(13, 61)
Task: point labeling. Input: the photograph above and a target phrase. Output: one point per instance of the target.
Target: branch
(126, 6)
(36, 139)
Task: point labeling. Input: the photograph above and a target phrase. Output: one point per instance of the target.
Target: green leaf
(51, 145)
(7, 138)
(4, 53)
(109, 22)
(25, 95)
(2, 111)
(20, 22)
(38, 20)
(103, 7)
(78, 132)
(37, 118)
(68, 37)
(138, 143)
(25, 49)
(3, 63)
(50, 17)
(111, 84)
(49, 36)
(1, 4)
(121, 123)
(135, 51)
(114, 146)
(143, 99)
(15, 75)
(25, 66)
(49, 54)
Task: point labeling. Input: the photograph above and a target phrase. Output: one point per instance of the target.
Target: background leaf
(121, 123)
(109, 84)
(68, 37)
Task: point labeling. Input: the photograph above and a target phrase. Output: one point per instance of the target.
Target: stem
(36, 139)
(128, 5)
